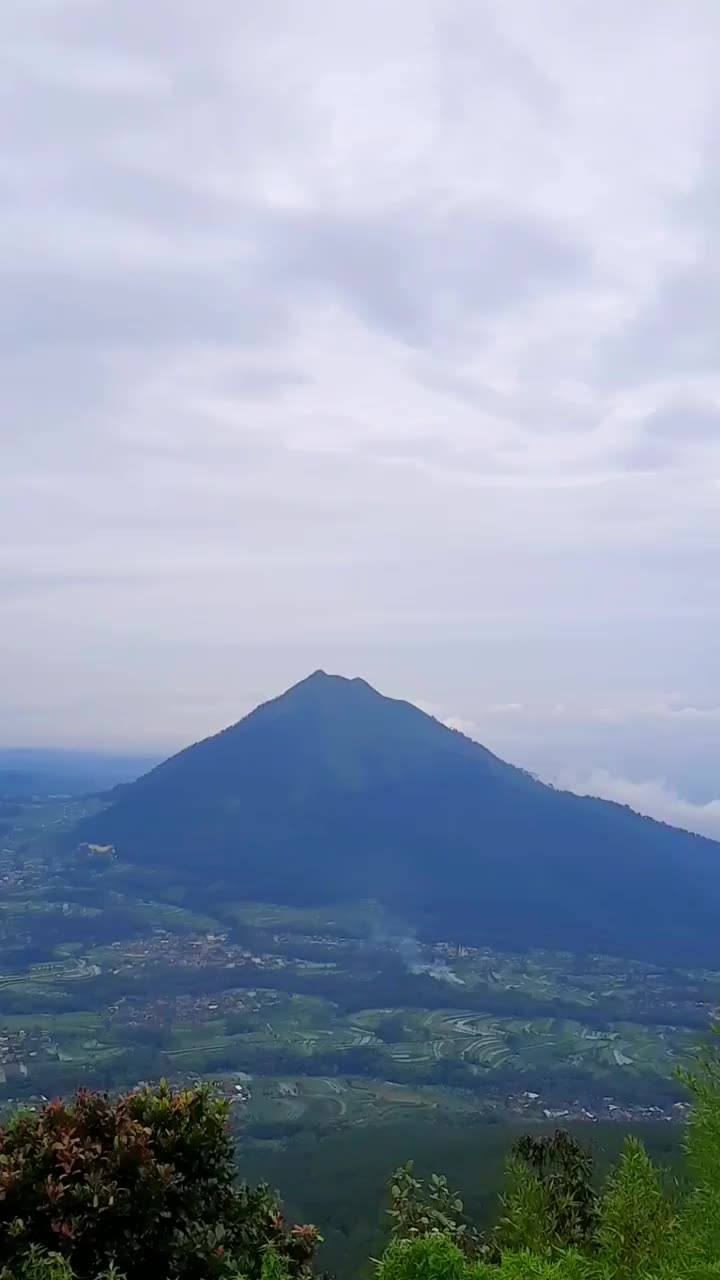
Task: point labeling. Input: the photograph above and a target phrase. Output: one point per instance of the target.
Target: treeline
(147, 1057)
(391, 988)
(367, 987)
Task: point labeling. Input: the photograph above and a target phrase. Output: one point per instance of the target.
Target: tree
(391, 1030)
(702, 1149)
(145, 1182)
(636, 1225)
(549, 1201)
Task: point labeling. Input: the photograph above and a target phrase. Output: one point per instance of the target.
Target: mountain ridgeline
(333, 792)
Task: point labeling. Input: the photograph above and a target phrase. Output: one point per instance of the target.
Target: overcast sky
(378, 337)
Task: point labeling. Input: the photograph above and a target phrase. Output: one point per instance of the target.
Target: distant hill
(332, 791)
(27, 771)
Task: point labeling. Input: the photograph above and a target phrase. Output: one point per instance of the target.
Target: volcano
(333, 792)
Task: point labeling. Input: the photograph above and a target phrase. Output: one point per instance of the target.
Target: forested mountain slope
(333, 791)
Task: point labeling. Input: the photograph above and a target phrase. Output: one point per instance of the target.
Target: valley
(313, 1019)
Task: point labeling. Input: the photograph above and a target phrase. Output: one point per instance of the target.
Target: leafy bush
(38, 1264)
(426, 1257)
(431, 1209)
(436, 1257)
(549, 1202)
(145, 1183)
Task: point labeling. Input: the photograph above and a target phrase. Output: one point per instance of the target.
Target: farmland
(318, 1018)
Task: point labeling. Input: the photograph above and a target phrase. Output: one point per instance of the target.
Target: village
(192, 951)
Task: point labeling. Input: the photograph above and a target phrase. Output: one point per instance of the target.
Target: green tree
(701, 1219)
(636, 1224)
(145, 1182)
(391, 1030)
(549, 1201)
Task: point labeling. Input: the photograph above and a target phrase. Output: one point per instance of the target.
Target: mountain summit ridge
(334, 791)
(369, 719)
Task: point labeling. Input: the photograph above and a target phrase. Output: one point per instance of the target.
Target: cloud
(467, 727)
(653, 798)
(420, 274)
(672, 434)
(660, 710)
(383, 343)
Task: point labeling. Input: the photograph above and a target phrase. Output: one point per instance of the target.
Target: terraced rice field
(342, 1099)
(492, 1043)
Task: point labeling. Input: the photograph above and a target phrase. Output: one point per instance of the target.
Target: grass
(57, 1025)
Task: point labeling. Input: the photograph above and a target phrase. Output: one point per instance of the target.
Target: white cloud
(468, 727)
(711, 714)
(653, 798)
(354, 343)
(656, 711)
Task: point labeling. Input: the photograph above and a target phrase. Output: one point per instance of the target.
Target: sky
(374, 337)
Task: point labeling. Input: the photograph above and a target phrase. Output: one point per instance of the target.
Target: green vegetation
(325, 1016)
(553, 1225)
(145, 1185)
(346, 1194)
(342, 1041)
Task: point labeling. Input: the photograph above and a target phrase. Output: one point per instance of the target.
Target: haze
(381, 338)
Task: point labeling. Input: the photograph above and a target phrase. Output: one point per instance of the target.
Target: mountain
(333, 791)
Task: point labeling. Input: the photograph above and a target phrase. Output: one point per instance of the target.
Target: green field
(324, 1102)
(332, 1015)
(353, 919)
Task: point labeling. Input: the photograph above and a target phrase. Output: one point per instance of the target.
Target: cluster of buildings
(18, 1049)
(532, 1106)
(190, 1009)
(189, 951)
(20, 873)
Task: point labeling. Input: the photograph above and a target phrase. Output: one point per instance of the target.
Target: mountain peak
(321, 677)
(329, 688)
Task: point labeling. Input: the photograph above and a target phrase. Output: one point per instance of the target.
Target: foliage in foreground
(145, 1184)
(143, 1187)
(38, 1264)
(554, 1226)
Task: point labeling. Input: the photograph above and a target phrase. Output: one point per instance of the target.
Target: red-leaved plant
(146, 1181)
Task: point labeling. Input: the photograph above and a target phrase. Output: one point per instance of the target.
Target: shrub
(145, 1183)
(636, 1226)
(432, 1208)
(549, 1202)
(38, 1264)
(427, 1257)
